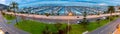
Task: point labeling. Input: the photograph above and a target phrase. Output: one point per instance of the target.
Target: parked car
(6, 32)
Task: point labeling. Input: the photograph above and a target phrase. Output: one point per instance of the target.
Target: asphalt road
(9, 28)
(107, 29)
(61, 17)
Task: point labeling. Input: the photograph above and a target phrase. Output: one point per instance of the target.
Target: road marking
(101, 31)
(6, 28)
(108, 27)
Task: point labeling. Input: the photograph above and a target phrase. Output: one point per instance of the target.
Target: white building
(117, 8)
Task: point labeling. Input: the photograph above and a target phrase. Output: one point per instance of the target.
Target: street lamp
(85, 14)
(84, 17)
(69, 14)
(68, 26)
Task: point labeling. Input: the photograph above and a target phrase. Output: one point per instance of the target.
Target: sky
(63, 2)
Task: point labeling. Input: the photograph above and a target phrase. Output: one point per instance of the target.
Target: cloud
(103, 4)
(93, 2)
(2, 1)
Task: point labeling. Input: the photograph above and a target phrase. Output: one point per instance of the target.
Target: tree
(47, 14)
(84, 18)
(2, 13)
(46, 30)
(68, 28)
(58, 25)
(85, 21)
(61, 31)
(58, 14)
(14, 6)
(8, 9)
(111, 10)
(98, 21)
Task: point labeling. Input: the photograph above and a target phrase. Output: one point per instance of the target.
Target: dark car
(6, 32)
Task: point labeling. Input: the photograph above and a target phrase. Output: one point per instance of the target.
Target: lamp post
(68, 26)
(84, 15)
(69, 14)
(98, 13)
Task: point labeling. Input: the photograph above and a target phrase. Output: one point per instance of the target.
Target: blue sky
(64, 2)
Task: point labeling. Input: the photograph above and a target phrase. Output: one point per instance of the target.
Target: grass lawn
(94, 25)
(35, 27)
(78, 29)
(8, 22)
(9, 17)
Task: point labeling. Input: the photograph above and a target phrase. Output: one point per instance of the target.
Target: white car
(103, 18)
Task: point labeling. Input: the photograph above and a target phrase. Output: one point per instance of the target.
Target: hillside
(3, 6)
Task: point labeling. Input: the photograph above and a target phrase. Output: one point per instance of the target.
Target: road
(107, 29)
(9, 28)
(63, 19)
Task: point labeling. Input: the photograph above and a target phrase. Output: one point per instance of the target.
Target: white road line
(6, 27)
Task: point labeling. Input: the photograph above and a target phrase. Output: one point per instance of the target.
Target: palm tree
(8, 9)
(47, 14)
(85, 21)
(111, 10)
(98, 20)
(14, 7)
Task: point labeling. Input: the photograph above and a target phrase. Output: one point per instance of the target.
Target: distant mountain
(3, 6)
